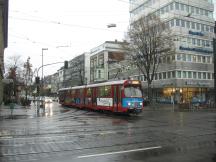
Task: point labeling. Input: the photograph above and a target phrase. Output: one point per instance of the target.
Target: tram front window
(132, 92)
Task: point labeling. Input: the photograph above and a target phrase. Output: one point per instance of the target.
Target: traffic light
(37, 80)
(66, 64)
(38, 90)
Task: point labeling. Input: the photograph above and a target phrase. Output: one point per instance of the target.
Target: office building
(188, 74)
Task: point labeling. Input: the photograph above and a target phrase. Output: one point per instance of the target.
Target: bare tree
(27, 75)
(14, 62)
(13, 71)
(149, 40)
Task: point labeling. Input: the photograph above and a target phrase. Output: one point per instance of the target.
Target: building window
(189, 40)
(164, 75)
(197, 10)
(182, 23)
(204, 75)
(210, 1)
(202, 27)
(188, 24)
(203, 43)
(183, 57)
(209, 75)
(203, 59)
(189, 58)
(99, 74)
(193, 41)
(177, 6)
(198, 26)
(194, 75)
(208, 60)
(187, 8)
(178, 74)
(198, 42)
(177, 22)
(160, 76)
(172, 22)
(192, 9)
(189, 74)
(198, 58)
(211, 28)
(173, 57)
(162, 11)
(207, 28)
(182, 7)
(168, 59)
(199, 75)
(193, 25)
(194, 58)
(179, 57)
(171, 6)
(173, 74)
(184, 74)
(156, 76)
(164, 59)
(207, 43)
(169, 74)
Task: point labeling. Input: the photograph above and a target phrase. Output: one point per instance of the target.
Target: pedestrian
(12, 104)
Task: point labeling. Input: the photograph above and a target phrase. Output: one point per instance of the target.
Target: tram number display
(105, 101)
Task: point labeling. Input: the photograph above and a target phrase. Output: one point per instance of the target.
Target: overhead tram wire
(30, 40)
(60, 23)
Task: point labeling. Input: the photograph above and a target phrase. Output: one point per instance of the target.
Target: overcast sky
(66, 27)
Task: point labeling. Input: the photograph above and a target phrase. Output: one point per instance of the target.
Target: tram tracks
(71, 135)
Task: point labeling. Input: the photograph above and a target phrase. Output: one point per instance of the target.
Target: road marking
(119, 152)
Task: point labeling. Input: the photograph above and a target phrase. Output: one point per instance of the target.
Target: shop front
(181, 91)
(182, 95)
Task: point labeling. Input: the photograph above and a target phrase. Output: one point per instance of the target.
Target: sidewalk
(18, 111)
(176, 107)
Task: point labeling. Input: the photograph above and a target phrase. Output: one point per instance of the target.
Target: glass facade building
(188, 74)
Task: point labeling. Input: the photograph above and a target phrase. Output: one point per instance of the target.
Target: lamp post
(214, 57)
(42, 68)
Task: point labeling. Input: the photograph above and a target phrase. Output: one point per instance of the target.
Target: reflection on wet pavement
(58, 133)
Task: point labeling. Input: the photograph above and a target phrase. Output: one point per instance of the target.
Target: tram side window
(73, 92)
(81, 92)
(61, 94)
(77, 92)
(68, 92)
(105, 91)
(89, 92)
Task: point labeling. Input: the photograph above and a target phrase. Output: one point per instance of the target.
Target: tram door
(115, 98)
(94, 99)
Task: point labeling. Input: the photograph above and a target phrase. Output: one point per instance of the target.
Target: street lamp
(42, 67)
(214, 57)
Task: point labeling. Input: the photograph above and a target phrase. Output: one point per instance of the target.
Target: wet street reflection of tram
(68, 134)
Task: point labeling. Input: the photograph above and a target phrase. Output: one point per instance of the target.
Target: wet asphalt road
(59, 134)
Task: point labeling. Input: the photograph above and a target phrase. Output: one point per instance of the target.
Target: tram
(123, 96)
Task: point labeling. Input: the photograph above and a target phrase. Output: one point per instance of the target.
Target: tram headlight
(141, 103)
(129, 103)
